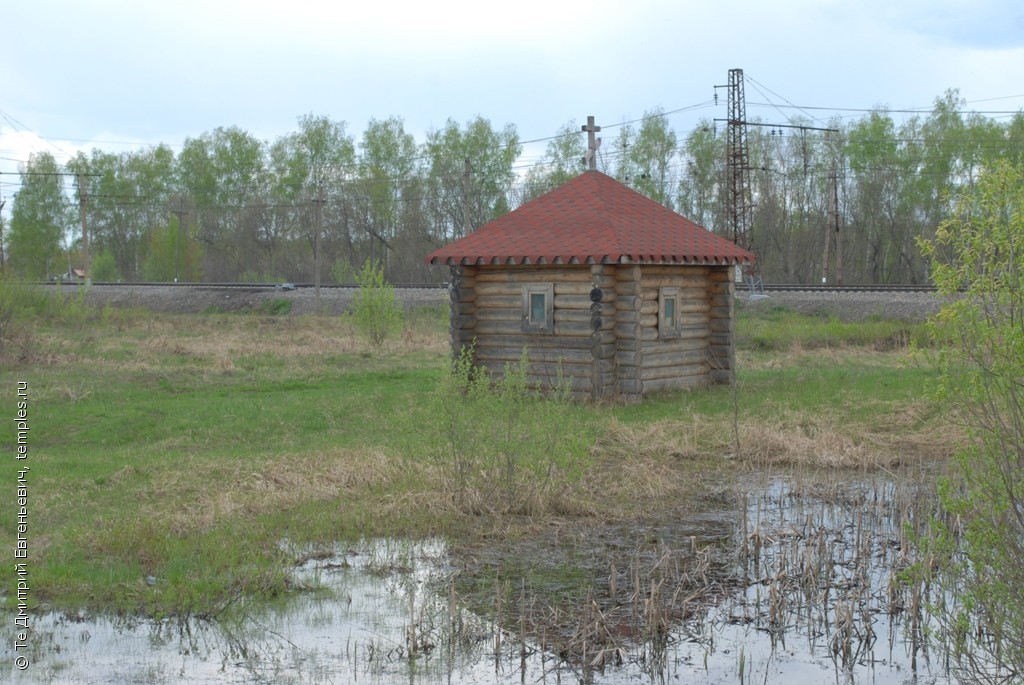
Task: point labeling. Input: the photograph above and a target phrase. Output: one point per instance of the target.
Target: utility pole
(316, 248)
(467, 225)
(835, 219)
(82, 201)
(739, 198)
(593, 143)
(2, 259)
(737, 162)
(180, 213)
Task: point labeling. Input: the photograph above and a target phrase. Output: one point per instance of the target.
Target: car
(285, 286)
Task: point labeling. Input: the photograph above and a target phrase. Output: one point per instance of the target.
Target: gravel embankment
(195, 299)
(850, 306)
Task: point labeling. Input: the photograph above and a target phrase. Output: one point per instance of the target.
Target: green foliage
(276, 307)
(504, 447)
(780, 329)
(104, 268)
(978, 261)
(342, 272)
(18, 304)
(376, 311)
(172, 257)
(40, 217)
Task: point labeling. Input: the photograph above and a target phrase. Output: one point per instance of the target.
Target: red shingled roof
(592, 218)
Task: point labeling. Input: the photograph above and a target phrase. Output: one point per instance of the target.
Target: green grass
(171, 456)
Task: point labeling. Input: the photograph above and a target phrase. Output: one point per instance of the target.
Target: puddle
(793, 583)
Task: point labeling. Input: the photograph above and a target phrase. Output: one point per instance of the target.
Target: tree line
(231, 207)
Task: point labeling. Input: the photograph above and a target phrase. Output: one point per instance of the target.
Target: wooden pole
(467, 225)
(316, 248)
(82, 201)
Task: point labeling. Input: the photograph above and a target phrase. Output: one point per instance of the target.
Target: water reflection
(797, 584)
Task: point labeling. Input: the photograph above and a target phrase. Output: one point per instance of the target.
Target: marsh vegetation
(226, 478)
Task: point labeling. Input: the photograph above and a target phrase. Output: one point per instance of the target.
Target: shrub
(503, 447)
(375, 309)
(978, 261)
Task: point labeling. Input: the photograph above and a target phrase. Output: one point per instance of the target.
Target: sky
(122, 74)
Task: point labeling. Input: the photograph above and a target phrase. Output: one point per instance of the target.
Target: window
(539, 308)
(668, 313)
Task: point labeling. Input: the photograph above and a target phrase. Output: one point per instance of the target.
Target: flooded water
(795, 583)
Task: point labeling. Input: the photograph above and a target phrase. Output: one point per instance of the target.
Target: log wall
(605, 340)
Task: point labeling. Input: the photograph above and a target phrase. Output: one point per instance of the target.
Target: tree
(40, 220)
(979, 250)
(651, 158)
(387, 170)
(491, 155)
(375, 309)
(224, 173)
(563, 161)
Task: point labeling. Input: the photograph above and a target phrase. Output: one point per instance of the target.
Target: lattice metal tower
(737, 164)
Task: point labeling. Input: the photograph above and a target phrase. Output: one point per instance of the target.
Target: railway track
(770, 287)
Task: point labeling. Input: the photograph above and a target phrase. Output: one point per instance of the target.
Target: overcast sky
(118, 74)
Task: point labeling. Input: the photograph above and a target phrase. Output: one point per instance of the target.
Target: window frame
(666, 328)
(532, 324)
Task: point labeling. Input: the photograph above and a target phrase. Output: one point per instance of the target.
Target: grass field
(181, 462)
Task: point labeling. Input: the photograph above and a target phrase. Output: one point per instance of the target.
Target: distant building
(615, 292)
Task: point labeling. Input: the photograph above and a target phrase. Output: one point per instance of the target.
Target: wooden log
(721, 325)
(575, 358)
(674, 359)
(649, 307)
(499, 314)
(625, 358)
(627, 288)
(675, 345)
(542, 344)
(649, 320)
(630, 387)
(502, 301)
(667, 384)
(627, 317)
(572, 301)
(678, 281)
(691, 319)
(720, 340)
(694, 307)
(627, 303)
(463, 308)
(543, 378)
(573, 288)
(582, 316)
(690, 332)
(603, 337)
(670, 270)
(721, 312)
(533, 274)
(648, 373)
(568, 330)
(462, 321)
(499, 288)
(461, 335)
(629, 345)
(602, 351)
(628, 331)
(722, 274)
